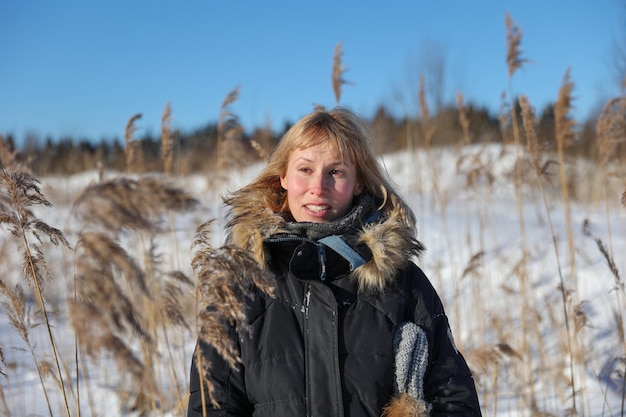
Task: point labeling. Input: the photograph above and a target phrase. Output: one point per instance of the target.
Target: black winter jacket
(321, 345)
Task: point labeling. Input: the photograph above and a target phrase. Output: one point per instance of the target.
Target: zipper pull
(322, 258)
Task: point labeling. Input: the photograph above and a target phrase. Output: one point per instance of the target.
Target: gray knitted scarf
(362, 207)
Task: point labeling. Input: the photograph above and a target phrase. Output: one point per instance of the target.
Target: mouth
(317, 208)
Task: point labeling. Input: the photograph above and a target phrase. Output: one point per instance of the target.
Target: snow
(505, 309)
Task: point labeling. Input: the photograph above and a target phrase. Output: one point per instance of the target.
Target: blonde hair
(351, 136)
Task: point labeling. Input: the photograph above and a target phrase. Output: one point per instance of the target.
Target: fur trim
(390, 240)
(392, 245)
(405, 406)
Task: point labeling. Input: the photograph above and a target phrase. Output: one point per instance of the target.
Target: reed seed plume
(7, 156)
(260, 151)
(106, 257)
(227, 117)
(483, 359)
(172, 296)
(338, 71)
(514, 58)
(529, 122)
(473, 265)
(116, 308)
(581, 318)
(23, 319)
(230, 98)
(119, 302)
(167, 142)
(611, 128)
(463, 120)
(18, 192)
(95, 336)
(565, 125)
(139, 204)
(427, 127)
(129, 133)
(226, 277)
(605, 253)
(227, 127)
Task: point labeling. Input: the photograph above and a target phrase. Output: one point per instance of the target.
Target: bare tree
(425, 69)
(618, 55)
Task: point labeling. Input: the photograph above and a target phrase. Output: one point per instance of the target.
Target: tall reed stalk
(19, 192)
(167, 141)
(226, 277)
(515, 62)
(227, 122)
(122, 304)
(540, 170)
(131, 143)
(564, 136)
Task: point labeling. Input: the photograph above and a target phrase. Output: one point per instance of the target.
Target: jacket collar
(389, 239)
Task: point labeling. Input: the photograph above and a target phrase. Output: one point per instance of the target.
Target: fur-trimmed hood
(389, 237)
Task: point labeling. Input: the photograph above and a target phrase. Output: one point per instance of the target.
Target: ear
(358, 189)
(283, 181)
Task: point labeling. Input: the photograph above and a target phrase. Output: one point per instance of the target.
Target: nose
(318, 184)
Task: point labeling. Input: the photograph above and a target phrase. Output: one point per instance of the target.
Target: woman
(353, 327)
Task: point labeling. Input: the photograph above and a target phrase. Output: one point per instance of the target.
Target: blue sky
(83, 68)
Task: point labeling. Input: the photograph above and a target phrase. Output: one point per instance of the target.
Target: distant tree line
(197, 151)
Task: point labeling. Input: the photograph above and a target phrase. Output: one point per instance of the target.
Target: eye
(304, 169)
(337, 172)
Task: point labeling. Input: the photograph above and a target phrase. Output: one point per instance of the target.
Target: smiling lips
(317, 207)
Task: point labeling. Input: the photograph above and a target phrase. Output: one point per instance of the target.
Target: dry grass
(167, 141)
(7, 156)
(260, 151)
(131, 149)
(122, 304)
(463, 120)
(514, 58)
(125, 203)
(226, 276)
(18, 193)
(229, 135)
(339, 69)
(131, 306)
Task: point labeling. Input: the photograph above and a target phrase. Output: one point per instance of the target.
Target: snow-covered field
(498, 277)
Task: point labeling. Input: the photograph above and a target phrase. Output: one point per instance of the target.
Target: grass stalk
(109, 277)
(515, 61)
(131, 143)
(22, 191)
(528, 118)
(339, 70)
(167, 141)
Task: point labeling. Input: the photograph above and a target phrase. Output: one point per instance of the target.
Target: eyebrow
(337, 162)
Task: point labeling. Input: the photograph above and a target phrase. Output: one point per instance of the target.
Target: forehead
(326, 151)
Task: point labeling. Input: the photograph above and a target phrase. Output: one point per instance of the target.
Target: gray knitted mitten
(410, 346)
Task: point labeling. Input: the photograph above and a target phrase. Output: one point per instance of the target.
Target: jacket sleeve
(228, 386)
(449, 387)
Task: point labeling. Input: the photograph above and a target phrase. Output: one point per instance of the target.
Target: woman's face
(320, 187)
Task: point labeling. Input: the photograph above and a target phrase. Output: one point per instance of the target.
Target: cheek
(296, 184)
(346, 188)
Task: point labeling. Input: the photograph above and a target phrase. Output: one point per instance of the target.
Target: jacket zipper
(307, 364)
